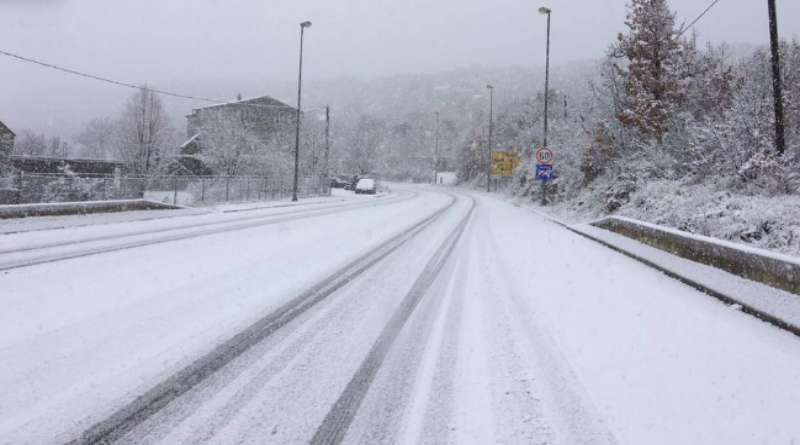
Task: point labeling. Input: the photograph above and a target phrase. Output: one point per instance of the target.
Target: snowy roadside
(778, 307)
(29, 224)
(770, 304)
(9, 226)
(770, 223)
(337, 195)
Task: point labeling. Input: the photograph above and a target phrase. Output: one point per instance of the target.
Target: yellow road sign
(504, 163)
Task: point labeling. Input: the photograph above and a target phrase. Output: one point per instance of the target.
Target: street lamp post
(436, 154)
(303, 26)
(491, 124)
(546, 11)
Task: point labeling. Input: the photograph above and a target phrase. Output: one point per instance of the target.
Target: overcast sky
(169, 41)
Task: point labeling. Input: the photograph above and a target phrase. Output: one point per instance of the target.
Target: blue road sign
(544, 172)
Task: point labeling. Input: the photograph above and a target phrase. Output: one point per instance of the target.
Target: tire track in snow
(514, 407)
(334, 428)
(264, 364)
(410, 400)
(474, 417)
(568, 407)
(33, 256)
(420, 403)
(144, 407)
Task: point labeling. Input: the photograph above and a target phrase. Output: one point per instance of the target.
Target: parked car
(366, 186)
(337, 183)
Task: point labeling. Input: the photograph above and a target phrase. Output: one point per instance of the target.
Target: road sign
(544, 172)
(544, 155)
(504, 163)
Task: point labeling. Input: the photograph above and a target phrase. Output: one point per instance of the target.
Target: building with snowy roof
(264, 116)
(6, 140)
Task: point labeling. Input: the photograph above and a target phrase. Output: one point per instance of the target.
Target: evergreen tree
(649, 61)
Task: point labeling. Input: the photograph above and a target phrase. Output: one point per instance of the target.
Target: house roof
(190, 140)
(263, 101)
(4, 129)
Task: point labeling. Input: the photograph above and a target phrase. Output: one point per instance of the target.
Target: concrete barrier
(776, 270)
(80, 208)
(9, 196)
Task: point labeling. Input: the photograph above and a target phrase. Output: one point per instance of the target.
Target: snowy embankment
(771, 223)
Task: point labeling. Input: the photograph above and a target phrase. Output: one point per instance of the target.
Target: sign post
(544, 169)
(544, 172)
(504, 163)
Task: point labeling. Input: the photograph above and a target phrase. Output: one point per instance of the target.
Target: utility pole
(436, 154)
(547, 11)
(327, 138)
(303, 26)
(491, 119)
(777, 82)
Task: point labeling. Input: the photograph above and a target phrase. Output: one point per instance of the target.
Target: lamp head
(306, 24)
(544, 10)
(490, 87)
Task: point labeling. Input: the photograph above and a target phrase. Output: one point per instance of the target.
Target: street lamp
(491, 113)
(436, 153)
(303, 26)
(546, 11)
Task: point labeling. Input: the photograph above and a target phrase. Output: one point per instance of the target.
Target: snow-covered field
(529, 334)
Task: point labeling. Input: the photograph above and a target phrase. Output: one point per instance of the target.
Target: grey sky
(191, 40)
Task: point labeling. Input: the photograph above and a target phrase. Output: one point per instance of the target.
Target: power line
(137, 87)
(698, 18)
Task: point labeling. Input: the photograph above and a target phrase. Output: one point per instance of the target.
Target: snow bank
(715, 210)
(79, 208)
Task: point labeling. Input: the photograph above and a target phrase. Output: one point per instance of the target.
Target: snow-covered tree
(98, 139)
(367, 144)
(650, 65)
(146, 135)
(227, 145)
(31, 143)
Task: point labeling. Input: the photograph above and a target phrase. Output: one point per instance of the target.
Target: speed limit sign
(544, 155)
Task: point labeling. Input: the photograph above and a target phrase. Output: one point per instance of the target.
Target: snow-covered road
(433, 317)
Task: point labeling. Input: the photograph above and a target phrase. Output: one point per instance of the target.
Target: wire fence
(500, 183)
(180, 190)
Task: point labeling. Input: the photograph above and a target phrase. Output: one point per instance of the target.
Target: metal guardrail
(179, 190)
